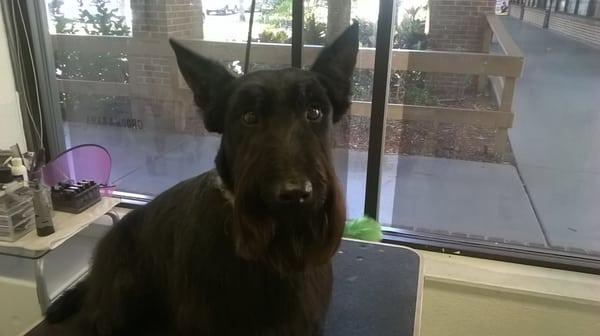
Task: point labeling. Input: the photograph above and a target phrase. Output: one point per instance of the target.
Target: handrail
(506, 42)
(278, 54)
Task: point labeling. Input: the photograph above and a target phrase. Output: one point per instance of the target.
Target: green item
(363, 228)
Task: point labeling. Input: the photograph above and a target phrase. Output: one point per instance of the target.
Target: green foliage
(315, 32)
(104, 22)
(420, 96)
(100, 68)
(62, 25)
(411, 32)
(281, 14)
(105, 67)
(282, 7)
(366, 33)
(269, 36)
(363, 228)
(362, 84)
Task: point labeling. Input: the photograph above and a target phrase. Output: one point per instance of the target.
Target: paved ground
(482, 200)
(556, 133)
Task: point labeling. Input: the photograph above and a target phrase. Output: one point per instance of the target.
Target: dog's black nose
(294, 192)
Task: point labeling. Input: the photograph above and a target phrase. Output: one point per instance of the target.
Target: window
(464, 164)
(561, 5)
(583, 7)
(120, 87)
(571, 6)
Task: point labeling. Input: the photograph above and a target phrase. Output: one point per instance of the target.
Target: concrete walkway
(556, 134)
(466, 199)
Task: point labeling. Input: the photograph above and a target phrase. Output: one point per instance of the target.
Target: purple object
(83, 162)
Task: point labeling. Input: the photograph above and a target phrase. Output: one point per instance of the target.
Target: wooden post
(507, 94)
(522, 12)
(501, 142)
(505, 106)
(485, 48)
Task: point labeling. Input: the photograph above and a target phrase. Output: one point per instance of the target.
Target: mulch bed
(445, 140)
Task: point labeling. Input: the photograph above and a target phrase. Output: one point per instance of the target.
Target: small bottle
(18, 170)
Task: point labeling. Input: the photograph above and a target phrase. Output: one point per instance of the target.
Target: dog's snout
(291, 192)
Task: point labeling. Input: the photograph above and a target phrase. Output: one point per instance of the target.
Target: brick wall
(162, 18)
(155, 21)
(152, 70)
(534, 16)
(458, 25)
(582, 29)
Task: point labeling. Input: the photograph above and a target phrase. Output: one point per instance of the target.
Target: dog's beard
(285, 239)
(288, 238)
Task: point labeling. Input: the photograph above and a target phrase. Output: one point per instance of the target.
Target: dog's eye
(314, 114)
(249, 118)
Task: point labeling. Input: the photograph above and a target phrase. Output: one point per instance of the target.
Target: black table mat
(375, 291)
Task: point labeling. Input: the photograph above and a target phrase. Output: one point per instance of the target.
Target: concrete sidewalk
(465, 199)
(556, 134)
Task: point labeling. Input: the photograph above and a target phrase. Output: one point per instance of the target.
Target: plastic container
(75, 197)
(17, 216)
(18, 170)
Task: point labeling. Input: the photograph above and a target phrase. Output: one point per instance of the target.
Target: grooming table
(376, 291)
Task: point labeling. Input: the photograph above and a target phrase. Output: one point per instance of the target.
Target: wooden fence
(501, 70)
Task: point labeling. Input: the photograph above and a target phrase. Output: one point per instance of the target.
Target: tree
(104, 21)
(411, 32)
(62, 25)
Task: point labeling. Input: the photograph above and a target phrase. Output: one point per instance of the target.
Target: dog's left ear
(335, 66)
(207, 79)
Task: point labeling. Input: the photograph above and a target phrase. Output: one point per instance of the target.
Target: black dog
(244, 249)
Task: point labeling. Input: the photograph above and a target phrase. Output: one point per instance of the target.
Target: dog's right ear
(207, 79)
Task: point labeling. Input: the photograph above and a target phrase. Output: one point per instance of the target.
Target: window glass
(120, 86)
(476, 147)
(583, 7)
(571, 6)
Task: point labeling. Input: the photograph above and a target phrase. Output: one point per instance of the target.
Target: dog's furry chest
(204, 271)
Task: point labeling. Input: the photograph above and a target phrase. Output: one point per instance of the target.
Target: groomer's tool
(43, 211)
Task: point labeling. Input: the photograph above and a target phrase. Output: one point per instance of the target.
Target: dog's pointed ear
(335, 66)
(207, 79)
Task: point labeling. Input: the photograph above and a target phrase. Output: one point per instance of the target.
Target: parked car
(221, 7)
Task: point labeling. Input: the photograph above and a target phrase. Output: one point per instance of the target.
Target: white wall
(476, 297)
(11, 124)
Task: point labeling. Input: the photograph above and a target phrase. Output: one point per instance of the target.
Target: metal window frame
(297, 30)
(45, 69)
(379, 103)
(44, 61)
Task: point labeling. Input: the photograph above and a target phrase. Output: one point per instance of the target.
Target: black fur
(244, 249)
